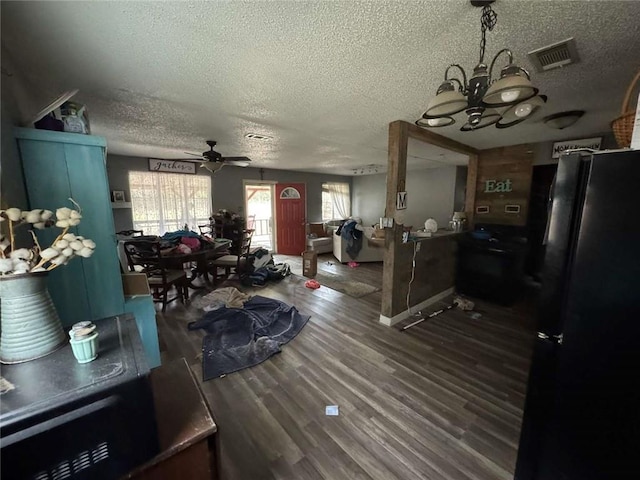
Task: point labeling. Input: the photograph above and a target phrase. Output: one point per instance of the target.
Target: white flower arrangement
(15, 260)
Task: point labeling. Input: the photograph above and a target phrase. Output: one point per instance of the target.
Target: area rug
(239, 338)
(353, 288)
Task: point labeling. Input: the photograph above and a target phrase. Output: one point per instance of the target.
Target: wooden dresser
(186, 428)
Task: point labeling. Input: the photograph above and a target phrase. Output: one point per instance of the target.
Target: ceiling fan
(213, 156)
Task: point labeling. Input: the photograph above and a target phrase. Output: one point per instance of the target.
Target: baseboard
(390, 321)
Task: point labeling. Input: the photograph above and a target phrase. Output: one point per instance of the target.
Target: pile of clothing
(243, 331)
(351, 230)
(184, 241)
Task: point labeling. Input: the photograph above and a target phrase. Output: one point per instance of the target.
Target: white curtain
(340, 198)
(165, 202)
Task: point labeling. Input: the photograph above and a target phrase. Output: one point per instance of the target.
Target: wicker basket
(623, 125)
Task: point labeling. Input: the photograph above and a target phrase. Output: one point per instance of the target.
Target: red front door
(291, 218)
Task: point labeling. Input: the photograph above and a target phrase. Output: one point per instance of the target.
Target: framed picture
(117, 196)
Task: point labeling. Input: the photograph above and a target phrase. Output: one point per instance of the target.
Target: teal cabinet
(58, 166)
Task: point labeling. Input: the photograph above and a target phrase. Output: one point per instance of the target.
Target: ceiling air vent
(257, 136)
(556, 55)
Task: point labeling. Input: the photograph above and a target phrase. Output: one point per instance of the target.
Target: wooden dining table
(198, 259)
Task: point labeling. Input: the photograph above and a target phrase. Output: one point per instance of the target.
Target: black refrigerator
(582, 410)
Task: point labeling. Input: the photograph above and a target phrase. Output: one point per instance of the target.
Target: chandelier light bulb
(523, 110)
(435, 122)
(509, 95)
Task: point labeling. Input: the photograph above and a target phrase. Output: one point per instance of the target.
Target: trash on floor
(463, 303)
(332, 410)
(353, 264)
(475, 315)
(312, 284)
(431, 315)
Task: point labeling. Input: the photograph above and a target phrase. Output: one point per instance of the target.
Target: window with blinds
(165, 202)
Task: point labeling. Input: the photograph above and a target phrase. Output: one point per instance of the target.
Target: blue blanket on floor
(238, 338)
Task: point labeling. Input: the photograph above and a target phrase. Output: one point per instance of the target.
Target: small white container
(85, 349)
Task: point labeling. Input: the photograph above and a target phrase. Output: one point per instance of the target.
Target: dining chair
(206, 230)
(145, 256)
(130, 233)
(236, 260)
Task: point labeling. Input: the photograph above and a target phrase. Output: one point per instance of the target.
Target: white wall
(368, 196)
(430, 193)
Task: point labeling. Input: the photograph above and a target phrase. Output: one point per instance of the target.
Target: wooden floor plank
(442, 400)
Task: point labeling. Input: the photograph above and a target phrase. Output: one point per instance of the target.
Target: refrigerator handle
(554, 338)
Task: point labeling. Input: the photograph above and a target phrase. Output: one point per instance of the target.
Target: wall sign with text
(171, 166)
(590, 143)
(401, 201)
(498, 186)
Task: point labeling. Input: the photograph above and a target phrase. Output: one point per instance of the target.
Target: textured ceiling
(323, 79)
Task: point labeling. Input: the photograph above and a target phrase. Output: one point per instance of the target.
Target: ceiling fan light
(521, 111)
(446, 103)
(508, 90)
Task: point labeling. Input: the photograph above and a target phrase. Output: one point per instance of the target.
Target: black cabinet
(490, 269)
(69, 420)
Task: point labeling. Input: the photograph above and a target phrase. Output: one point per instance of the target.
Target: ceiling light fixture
(480, 96)
(563, 120)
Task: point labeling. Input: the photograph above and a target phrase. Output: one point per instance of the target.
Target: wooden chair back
(206, 230)
(145, 256)
(130, 233)
(236, 259)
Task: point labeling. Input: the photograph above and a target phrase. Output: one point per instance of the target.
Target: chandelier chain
(488, 20)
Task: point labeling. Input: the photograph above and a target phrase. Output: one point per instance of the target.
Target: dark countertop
(439, 234)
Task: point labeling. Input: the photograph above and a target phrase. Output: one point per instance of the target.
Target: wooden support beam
(396, 181)
(438, 140)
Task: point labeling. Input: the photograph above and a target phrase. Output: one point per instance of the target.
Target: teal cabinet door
(102, 270)
(58, 166)
(141, 306)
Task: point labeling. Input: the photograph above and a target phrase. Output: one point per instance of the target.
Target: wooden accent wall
(434, 273)
(398, 256)
(514, 163)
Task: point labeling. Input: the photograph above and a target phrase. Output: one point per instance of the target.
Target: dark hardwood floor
(442, 400)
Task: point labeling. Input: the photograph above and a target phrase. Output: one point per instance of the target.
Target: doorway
(259, 204)
(291, 217)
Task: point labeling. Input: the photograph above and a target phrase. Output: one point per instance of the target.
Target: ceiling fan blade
(237, 161)
(194, 154)
(192, 160)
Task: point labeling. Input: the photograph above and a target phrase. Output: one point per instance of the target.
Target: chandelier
(505, 102)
